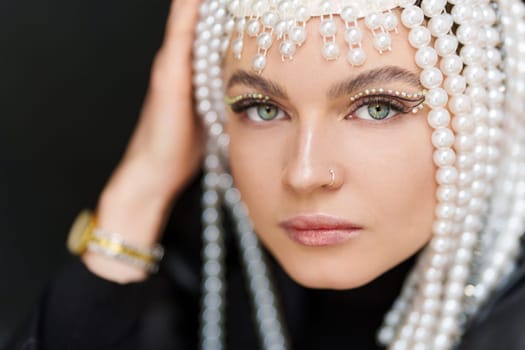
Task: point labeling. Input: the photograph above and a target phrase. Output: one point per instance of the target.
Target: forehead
(310, 70)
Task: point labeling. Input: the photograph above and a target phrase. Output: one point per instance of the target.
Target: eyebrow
(374, 76)
(342, 88)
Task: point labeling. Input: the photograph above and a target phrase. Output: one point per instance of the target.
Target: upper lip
(320, 222)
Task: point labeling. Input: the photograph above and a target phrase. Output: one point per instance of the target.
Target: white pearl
(433, 7)
(454, 290)
(390, 21)
(463, 255)
(302, 14)
(330, 51)
(269, 19)
(426, 57)
(467, 33)
(444, 156)
(468, 239)
(430, 305)
(353, 35)
(374, 20)
(442, 137)
(463, 123)
(327, 27)
(446, 193)
(287, 49)
(412, 16)
(441, 244)
(471, 54)
(438, 118)
(446, 175)
(464, 143)
(356, 57)
(459, 273)
(297, 35)
(461, 13)
(382, 42)
(459, 104)
(264, 40)
(451, 65)
(253, 27)
(431, 78)
(443, 227)
(455, 84)
(475, 74)
(259, 62)
(446, 45)
(441, 24)
(451, 308)
(349, 13)
(436, 98)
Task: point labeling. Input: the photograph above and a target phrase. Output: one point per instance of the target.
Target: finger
(181, 21)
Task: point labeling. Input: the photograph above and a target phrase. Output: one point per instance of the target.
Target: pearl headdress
(466, 50)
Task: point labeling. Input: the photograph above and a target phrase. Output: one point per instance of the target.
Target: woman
(359, 135)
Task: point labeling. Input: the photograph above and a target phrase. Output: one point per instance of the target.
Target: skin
(384, 170)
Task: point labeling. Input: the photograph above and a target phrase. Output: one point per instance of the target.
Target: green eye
(267, 112)
(378, 110)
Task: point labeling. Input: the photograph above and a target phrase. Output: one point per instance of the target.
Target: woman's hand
(163, 154)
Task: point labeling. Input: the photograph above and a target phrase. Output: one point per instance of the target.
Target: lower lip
(321, 238)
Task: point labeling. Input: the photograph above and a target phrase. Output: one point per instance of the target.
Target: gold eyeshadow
(403, 95)
(252, 95)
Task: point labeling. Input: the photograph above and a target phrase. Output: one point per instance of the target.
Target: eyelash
(398, 104)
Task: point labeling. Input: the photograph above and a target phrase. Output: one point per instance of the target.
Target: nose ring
(332, 177)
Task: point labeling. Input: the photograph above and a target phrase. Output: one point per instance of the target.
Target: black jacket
(80, 311)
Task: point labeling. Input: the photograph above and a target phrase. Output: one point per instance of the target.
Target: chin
(319, 274)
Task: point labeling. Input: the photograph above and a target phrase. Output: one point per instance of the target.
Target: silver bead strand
(501, 258)
(208, 46)
(264, 302)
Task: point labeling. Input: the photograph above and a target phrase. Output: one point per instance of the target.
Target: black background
(72, 79)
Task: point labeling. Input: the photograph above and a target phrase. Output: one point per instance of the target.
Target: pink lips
(319, 230)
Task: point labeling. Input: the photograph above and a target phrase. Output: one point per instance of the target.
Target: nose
(310, 165)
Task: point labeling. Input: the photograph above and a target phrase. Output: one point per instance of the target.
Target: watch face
(80, 232)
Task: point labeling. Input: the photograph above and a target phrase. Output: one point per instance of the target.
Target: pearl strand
(500, 262)
(206, 66)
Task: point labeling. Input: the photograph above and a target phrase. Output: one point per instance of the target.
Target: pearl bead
(253, 27)
(419, 37)
(446, 45)
(382, 42)
(444, 156)
(459, 104)
(327, 27)
(463, 123)
(297, 35)
(442, 137)
(353, 35)
(475, 74)
(431, 78)
(287, 49)
(390, 21)
(356, 57)
(438, 118)
(412, 16)
(259, 62)
(441, 244)
(467, 33)
(264, 40)
(455, 84)
(451, 65)
(430, 305)
(269, 19)
(471, 54)
(426, 57)
(446, 193)
(441, 24)
(446, 175)
(374, 20)
(349, 13)
(443, 227)
(330, 51)
(432, 8)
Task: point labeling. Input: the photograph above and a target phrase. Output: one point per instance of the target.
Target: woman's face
(378, 210)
